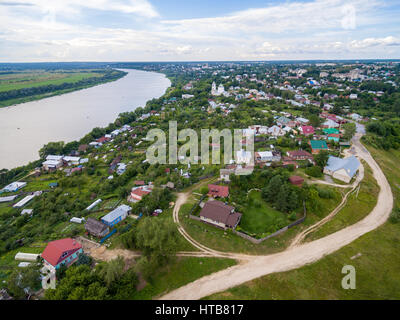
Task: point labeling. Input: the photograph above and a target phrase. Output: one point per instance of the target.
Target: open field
(37, 78)
(180, 272)
(28, 85)
(375, 257)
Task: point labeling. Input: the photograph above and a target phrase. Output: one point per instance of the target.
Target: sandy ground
(295, 257)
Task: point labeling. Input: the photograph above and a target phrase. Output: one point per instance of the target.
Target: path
(297, 256)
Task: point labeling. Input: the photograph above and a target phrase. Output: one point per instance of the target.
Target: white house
(243, 156)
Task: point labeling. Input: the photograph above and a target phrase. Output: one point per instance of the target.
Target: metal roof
(350, 165)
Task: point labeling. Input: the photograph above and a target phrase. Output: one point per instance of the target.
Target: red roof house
(307, 130)
(296, 180)
(218, 191)
(61, 252)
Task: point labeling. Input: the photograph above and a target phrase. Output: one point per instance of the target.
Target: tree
(20, 279)
(157, 238)
(321, 158)
(112, 271)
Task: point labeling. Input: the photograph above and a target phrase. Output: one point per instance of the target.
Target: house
(331, 131)
(276, 131)
(117, 215)
(61, 252)
(299, 155)
(217, 191)
(137, 193)
(243, 156)
(302, 121)
(283, 121)
(356, 117)
(219, 214)
(263, 156)
(225, 173)
(139, 183)
(83, 148)
(307, 130)
(296, 180)
(52, 162)
(71, 161)
(334, 137)
(318, 145)
(13, 187)
(329, 123)
(342, 169)
(96, 228)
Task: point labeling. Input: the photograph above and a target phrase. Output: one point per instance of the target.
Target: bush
(315, 172)
(395, 216)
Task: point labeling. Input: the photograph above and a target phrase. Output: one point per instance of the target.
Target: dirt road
(297, 256)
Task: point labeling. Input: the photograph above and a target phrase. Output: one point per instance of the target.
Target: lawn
(377, 268)
(180, 272)
(259, 218)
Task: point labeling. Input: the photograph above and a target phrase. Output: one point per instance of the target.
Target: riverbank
(51, 87)
(26, 127)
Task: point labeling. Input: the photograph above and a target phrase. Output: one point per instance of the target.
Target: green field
(28, 85)
(377, 268)
(180, 272)
(37, 78)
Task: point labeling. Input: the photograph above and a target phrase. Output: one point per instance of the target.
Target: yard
(259, 218)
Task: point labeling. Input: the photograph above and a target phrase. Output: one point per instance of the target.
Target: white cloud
(62, 7)
(374, 42)
(316, 29)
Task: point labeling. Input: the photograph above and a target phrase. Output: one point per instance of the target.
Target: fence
(276, 233)
(107, 236)
(250, 238)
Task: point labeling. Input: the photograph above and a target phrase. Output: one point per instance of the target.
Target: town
(99, 208)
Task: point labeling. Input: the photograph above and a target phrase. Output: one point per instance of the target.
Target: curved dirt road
(298, 256)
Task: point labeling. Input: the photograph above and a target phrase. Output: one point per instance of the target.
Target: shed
(21, 256)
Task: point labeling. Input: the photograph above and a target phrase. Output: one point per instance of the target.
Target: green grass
(8, 262)
(377, 269)
(358, 206)
(180, 272)
(222, 240)
(38, 78)
(258, 217)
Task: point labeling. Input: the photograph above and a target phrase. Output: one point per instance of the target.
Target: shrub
(395, 216)
(315, 172)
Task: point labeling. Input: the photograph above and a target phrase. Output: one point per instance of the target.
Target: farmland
(18, 86)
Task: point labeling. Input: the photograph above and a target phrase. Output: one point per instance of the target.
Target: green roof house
(318, 145)
(331, 131)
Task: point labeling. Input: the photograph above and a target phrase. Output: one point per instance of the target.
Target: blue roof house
(116, 216)
(342, 169)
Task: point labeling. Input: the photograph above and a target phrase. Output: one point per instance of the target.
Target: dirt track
(294, 257)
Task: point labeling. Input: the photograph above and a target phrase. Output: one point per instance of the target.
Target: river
(26, 127)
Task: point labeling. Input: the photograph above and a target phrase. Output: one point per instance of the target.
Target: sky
(193, 30)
